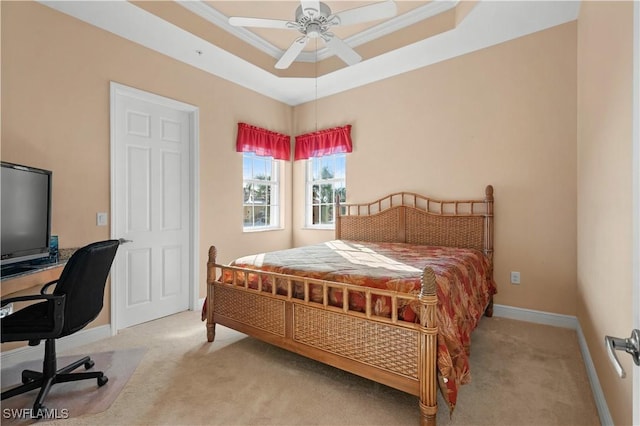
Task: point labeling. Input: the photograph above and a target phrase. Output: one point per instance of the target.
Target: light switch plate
(101, 219)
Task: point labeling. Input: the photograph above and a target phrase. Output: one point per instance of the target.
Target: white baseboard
(564, 321)
(598, 395)
(16, 356)
(538, 317)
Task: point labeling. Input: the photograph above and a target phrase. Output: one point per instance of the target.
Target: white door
(151, 207)
(636, 201)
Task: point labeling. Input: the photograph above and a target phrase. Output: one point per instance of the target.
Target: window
(325, 181)
(261, 189)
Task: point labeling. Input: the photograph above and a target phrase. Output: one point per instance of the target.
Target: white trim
(598, 394)
(635, 187)
(219, 19)
(538, 317)
(16, 356)
(194, 185)
(564, 321)
(487, 24)
(387, 27)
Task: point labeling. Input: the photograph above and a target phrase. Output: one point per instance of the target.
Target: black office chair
(76, 301)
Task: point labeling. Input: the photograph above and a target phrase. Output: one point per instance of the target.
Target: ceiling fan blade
(292, 52)
(343, 50)
(238, 21)
(310, 4)
(371, 12)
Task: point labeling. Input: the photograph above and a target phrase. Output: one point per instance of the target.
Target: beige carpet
(72, 399)
(522, 374)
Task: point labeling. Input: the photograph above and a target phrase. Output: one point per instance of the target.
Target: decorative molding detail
(27, 353)
(418, 14)
(212, 15)
(487, 24)
(387, 27)
(564, 321)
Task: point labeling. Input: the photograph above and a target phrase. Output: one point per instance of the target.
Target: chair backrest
(82, 281)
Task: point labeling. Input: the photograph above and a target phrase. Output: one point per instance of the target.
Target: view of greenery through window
(260, 191)
(260, 186)
(325, 182)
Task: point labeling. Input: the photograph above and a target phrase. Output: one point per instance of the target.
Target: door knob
(123, 241)
(630, 346)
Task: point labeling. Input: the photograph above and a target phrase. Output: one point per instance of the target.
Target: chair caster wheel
(39, 411)
(89, 364)
(102, 380)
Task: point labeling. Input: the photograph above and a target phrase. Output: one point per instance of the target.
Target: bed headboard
(416, 219)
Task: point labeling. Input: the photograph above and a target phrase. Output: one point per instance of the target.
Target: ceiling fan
(314, 19)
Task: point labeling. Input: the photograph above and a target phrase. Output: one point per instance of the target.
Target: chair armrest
(30, 297)
(44, 288)
(57, 302)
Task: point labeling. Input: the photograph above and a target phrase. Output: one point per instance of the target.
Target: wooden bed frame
(386, 350)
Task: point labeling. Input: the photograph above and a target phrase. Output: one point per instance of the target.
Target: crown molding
(489, 23)
(200, 8)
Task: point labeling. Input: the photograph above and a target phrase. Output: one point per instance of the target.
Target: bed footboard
(387, 350)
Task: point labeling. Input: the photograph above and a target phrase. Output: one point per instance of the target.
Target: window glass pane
(341, 167)
(316, 194)
(260, 191)
(315, 167)
(247, 170)
(326, 182)
(326, 192)
(340, 191)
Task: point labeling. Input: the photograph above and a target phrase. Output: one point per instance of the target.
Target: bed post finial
(213, 253)
(428, 283)
(488, 191)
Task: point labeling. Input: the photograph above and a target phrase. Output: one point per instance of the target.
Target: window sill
(265, 229)
(319, 228)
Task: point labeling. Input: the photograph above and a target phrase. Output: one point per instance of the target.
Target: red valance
(324, 142)
(263, 142)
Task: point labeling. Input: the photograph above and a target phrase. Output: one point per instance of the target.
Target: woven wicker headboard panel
(415, 219)
(451, 231)
(386, 226)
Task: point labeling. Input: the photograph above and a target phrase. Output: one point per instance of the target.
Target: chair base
(49, 376)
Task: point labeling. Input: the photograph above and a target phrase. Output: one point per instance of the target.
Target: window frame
(310, 183)
(274, 205)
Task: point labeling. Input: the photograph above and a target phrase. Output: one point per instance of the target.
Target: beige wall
(505, 116)
(55, 109)
(509, 115)
(605, 84)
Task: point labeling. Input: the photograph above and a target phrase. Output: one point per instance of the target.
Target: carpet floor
(72, 399)
(522, 374)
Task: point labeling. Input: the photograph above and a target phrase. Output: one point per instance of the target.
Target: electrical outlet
(515, 277)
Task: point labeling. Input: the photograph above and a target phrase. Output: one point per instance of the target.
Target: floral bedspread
(464, 287)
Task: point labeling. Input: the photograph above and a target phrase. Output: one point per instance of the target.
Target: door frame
(635, 185)
(194, 187)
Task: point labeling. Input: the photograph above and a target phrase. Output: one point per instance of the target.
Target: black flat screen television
(25, 213)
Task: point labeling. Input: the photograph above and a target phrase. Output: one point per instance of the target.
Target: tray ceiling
(423, 32)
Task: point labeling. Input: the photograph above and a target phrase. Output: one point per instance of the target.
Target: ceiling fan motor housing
(313, 22)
